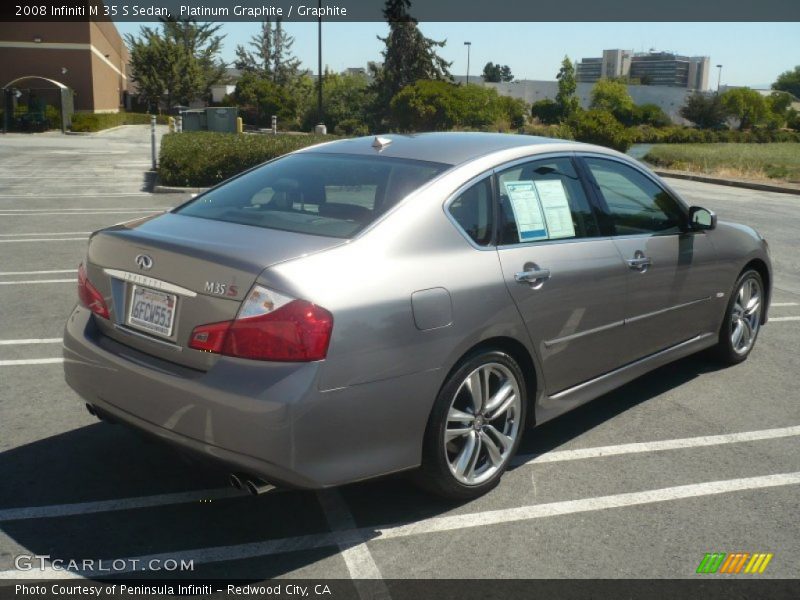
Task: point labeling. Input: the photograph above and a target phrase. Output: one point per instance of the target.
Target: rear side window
(543, 200)
(472, 210)
(320, 194)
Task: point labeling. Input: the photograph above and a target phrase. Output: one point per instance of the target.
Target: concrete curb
(740, 183)
(172, 189)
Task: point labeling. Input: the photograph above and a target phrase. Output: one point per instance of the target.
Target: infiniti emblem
(144, 262)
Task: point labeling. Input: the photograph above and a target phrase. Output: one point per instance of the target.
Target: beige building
(90, 58)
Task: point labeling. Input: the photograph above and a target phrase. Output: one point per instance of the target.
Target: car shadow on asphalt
(104, 462)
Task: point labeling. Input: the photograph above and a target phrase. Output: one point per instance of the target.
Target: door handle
(532, 276)
(639, 263)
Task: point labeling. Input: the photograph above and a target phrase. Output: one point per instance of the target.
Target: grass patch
(204, 158)
(86, 122)
(745, 161)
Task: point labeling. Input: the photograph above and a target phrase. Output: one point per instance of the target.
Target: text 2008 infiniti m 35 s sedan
(375, 305)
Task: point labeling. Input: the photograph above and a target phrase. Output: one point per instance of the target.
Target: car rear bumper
(265, 419)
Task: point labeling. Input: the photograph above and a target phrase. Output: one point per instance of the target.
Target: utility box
(194, 119)
(222, 118)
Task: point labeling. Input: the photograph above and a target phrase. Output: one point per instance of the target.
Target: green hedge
(84, 122)
(688, 135)
(204, 158)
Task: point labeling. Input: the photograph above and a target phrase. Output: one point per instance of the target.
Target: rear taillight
(89, 296)
(270, 326)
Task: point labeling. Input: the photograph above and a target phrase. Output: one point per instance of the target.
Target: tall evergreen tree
(272, 56)
(408, 57)
(567, 87)
(178, 62)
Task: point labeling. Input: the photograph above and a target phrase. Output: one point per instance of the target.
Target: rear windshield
(331, 195)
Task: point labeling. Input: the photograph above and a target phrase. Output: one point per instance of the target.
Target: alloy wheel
(746, 315)
(482, 424)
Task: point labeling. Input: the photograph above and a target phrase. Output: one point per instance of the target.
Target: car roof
(452, 148)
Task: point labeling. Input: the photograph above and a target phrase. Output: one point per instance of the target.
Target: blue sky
(751, 53)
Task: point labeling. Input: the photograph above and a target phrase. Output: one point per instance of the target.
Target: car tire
(466, 450)
(742, 320)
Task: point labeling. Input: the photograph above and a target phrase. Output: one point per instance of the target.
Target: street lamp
(319, 67)
(469, 46)
(719, 76)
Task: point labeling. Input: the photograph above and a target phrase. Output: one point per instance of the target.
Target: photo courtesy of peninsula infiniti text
(403, 303)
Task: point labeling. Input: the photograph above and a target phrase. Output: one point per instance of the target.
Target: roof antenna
(379, 143)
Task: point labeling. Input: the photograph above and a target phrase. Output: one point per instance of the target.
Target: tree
(612, 96)
(597, 126)
(789, 81)
(496, 73)
(547, 111)
(567, 86)
(705, 111)
(747, 105)
(344, 105)
(178, 63)
(272, 54)
(408, 56)
(441, 105)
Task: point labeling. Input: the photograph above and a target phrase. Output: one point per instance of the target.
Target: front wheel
(742, 319)
(475, 427)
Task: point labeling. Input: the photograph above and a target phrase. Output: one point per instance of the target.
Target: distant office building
(651, 68)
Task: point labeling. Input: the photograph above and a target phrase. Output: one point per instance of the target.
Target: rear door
(670, 279)
(567, 280)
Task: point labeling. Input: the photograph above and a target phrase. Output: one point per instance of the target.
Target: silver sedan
(403, 303)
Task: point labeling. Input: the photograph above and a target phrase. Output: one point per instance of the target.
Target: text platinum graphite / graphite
(300, 10)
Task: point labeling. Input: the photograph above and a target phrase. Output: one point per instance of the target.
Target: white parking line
(64, 239)
(85, 508)
(48, 233)
(356, 536)
(46, 214)
(31, 361)
(108, 208)
(357, 556)
(50, 272)
(38, 281)
(44, 195)
(783, 304)
(675, 444)
(771, 319)
(30, 341)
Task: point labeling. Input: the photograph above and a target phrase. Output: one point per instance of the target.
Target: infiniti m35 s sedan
(407, 302)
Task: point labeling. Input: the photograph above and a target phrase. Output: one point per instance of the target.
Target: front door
(567, 281)
(670, 281)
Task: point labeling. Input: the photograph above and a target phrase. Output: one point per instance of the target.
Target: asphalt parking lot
(640, 483)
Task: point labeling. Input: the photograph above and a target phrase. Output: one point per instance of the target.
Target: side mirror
(702, 219)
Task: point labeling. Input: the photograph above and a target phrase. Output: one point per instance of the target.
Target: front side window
(331, 195)
(637, 205)
(472, 210)
(543, 200)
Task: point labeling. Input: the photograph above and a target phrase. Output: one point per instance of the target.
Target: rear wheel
(742, 319)
(475, 427)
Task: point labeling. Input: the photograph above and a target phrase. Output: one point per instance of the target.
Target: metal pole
(153, 141)
(319, 62)
(469, 47)
(274, 124)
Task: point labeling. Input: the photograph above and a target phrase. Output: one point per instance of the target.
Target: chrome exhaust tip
(257, 487)
(237, 481)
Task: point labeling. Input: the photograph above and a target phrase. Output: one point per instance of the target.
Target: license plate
(152, 310)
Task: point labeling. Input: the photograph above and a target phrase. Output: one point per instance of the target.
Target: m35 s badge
(221, 289)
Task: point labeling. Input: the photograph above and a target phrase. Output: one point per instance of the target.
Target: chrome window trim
(152, 282)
